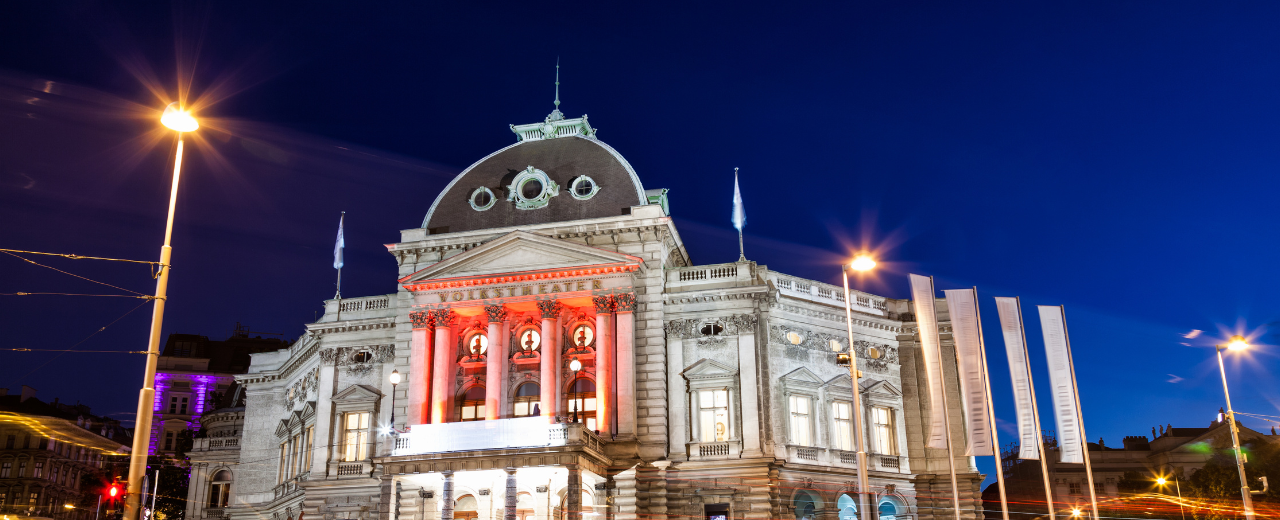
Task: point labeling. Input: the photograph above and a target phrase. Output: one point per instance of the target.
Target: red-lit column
(604, 363)
(550, 355)
(419, 368)
(625, 341)
(494, 363)
(444, 362)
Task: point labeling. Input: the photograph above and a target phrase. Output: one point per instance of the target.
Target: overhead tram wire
(33, 262)
(144, 297)
(86, 338)
(74, 256)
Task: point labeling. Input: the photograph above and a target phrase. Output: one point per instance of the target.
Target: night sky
(1116, 158)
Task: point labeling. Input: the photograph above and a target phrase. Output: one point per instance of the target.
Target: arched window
(465, 508)
(472, 407)
(582, 397)
(887, 510)
(848, 508)
(220, 489)
(806, 506)
(526, 401)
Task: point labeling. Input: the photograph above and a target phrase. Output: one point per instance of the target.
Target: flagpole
(991, 411)
(946, 417)
(1035, 414)
(1075, 389)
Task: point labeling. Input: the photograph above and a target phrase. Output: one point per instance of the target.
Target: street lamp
(575, 366)
(395, 380)
(1237, 344)
(1162, 482)
(179, 120)
(861, 263)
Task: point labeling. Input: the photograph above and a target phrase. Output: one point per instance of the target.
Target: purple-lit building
(191, 373)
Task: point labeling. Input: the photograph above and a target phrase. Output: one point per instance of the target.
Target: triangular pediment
(841, 381)
(881, 388)
(708, 369)
(802, 377)
(520, 252)
(358, 393)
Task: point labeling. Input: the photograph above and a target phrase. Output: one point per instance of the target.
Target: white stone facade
(706, 390)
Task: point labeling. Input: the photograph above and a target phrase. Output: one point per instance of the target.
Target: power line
(74, 256)
(33, 262)
(144, 297)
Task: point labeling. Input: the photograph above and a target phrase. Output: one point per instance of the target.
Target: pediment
(841, 381)
(708, 369)
(802, 377)
(520, 252)
(881, 388)
(356, 393)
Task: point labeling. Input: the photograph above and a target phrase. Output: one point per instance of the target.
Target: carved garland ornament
(358, 360)
(821, 341)
(731, 325)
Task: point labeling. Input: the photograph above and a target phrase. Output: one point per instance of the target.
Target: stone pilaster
(509, 507)
(573, 493)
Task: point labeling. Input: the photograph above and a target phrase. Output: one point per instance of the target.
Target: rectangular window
(169, 437)
(284, 455)
(713, 415)
(26, 442)
(800, 425)
(882, 431)
(9, 442)
(35, 497)
(37, 470)
(22, 469)
(1073, 488)
(355, 439)
(297, 454)
(307, 462)
(842, 426)
(43, 444)
(5, 469)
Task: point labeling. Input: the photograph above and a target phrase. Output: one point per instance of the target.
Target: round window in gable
(531, 189)
(482, 199)
(712, 329)
(583, 188)
(363, 356)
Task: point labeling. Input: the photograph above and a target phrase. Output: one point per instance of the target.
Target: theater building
(561, 357)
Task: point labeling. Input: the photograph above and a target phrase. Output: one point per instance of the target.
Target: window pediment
(802, 378)
(707, 369)
(358, 394)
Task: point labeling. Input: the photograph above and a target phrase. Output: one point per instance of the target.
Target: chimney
(1137, 442)
(27, 393)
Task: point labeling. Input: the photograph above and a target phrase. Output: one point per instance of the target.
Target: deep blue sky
(1116, 158)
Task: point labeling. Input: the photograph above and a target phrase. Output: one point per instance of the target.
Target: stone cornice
(662, 227)
(351, 325)
(831, 316)
(754, 292)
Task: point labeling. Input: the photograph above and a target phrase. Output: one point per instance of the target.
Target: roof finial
(556, 115)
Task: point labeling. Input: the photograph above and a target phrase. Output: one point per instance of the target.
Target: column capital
(420, 319)
(626, 302)
(604, 304)
(509, 470)
(550, 309)
(496, 313)
(443, 317)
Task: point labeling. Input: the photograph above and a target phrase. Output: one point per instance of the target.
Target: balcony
(846, 459)
(358, 308)
(702, 277)
(819, 292)
(714, 450)
(503, 434)
(216, 443)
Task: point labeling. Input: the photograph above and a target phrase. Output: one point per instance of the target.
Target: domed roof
(557, 172)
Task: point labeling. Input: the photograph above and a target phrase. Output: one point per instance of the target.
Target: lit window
(219, 489)
(5, 469)
(530, 340)
(22, 469)
(713, 415)
(307, 464)
(842, 434)
(37, 469)
(472, 407)
(355, 441)
(582, 397)
(795, 338)
(526, 401)
(477, 344)
(800, 421)
(882, 431)
(583, 335)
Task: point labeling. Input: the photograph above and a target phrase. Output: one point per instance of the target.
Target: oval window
(836, 346)
(583, 335)
(712, 329)
(584, 187)
(477, 344)
(794, 338)
(482, 199)
(531, 189)
(529, 340)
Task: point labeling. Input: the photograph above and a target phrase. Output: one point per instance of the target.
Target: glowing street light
(1075, 512)
(1236, 344)
(175, 118)
(1160, 481)
(862, 264)
(68, 506)
(575, 366)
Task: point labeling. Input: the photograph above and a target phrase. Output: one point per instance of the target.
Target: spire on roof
(556, 115)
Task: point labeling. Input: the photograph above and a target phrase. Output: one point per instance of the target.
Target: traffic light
(113, 491)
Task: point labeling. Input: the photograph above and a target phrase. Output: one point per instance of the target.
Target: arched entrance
(806, 505)
(888, 510)
(848, 507)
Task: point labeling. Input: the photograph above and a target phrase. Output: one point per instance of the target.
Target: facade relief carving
(821, 341)
(301, 389)
(358, 361)
(731, 325)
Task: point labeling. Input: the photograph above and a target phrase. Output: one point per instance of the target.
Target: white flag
(739, 213)
(965, 330)
(927, 321)
(1065, 411)
(337, 246)
(1011, 326)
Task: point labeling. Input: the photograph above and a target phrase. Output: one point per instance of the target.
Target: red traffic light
(113, 491)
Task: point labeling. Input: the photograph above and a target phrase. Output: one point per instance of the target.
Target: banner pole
(1075, 390)
(991, 411)
(1035, 413)
(946, 417)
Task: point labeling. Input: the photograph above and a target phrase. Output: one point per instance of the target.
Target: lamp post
(862, 263)
(1237, 344)
(1162, 482)
(575, 366)
(395, 380)
(181, 121)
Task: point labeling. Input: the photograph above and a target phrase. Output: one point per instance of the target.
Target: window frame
(809, 414)
(888, 442)
(698, 410)
(361, 444)
(840, 436)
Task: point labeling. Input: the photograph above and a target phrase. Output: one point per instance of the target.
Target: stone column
(509, 511)
(749, 387)
(625, 341)
(419, 377)
(494, 363)
(446, 496)
(604, 364)
(444, 363)
(550, 356)
(573, 494)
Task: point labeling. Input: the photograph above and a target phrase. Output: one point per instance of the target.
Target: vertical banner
(1019, 372)
(927, 322)
(963, 308)
(1064, 388)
